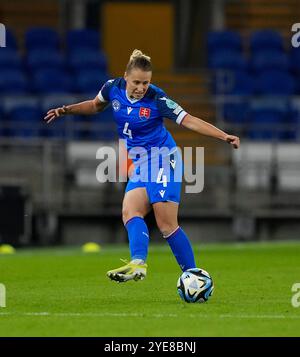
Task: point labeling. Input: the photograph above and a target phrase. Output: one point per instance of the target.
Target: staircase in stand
(251, 15)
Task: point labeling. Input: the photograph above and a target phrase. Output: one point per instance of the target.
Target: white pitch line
(108, 314)
(232, 316)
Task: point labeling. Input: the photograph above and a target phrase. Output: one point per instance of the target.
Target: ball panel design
(195, 285)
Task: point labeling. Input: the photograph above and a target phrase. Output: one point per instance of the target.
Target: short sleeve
(103, 94)
(170, 109)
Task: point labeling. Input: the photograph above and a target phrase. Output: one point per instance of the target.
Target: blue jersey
(140, 121)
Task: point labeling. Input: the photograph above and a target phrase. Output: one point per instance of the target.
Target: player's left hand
(233, 140)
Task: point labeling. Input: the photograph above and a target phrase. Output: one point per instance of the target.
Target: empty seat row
(48, 38)
(263, 118)
(243, 83)
(26, 121)
(46, 81)
(11, 59)
(257, 62)
(233, 41)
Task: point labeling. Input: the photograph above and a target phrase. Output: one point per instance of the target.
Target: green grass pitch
(63, 292)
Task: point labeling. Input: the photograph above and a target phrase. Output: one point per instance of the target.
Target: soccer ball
(195, 285)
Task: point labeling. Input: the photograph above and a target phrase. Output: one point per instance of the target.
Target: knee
(166, 228)
(128, 213)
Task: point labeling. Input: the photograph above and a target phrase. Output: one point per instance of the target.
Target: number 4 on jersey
(127, 131)
(162, 178)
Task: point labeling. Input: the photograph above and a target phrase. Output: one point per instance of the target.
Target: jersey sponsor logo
(144, 112)
(116, 105)
(129, 110)
(162, 193)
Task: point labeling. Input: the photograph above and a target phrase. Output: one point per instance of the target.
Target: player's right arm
(87, 107)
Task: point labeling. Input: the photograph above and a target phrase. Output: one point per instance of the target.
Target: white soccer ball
(195, 285)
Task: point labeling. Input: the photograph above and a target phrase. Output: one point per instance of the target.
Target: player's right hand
(55, 113)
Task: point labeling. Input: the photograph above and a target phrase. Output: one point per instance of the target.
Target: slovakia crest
(144, 113)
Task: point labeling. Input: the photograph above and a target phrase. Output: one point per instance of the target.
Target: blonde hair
(139, 60)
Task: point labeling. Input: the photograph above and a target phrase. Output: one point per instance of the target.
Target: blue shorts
(161, 176)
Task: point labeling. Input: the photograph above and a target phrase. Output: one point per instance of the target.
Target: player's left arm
(202, 127)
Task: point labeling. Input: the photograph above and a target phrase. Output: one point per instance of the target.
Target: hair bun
(138, 54)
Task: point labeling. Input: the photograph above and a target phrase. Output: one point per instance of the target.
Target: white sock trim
(138, 261)
(169, 235)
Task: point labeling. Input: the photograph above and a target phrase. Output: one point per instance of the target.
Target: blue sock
(182, 249)
(138, 236)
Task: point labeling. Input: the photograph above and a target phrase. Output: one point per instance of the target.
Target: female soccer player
(139, 108)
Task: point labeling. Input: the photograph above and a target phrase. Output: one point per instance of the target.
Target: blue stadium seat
(234, 83)
(295, 60)
(47, 81)
(2, 122)
(224, 41)
(11, 41)
(103, 126)
(10, 59)
(60, 129)
(13, 81)
(237, 113)
(85, 38)
(263, 40)
(40, 59)
(269, 119)
(292, 132)
(41, 38)
(87, 59)
(266, 60)
(264, 124)
(275, 83)
(227, 60)
(25, 121)
(90, 81)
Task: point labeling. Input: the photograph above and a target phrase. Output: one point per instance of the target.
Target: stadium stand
(40, 59)
(226, 60)
(13, 82)
(269, 60)
(42, 38)
(10, 59)
(84, 39)
(267, 70)
(25, 121)
(272, 82)
(90, 80)
(82, 59)
(224, 40)
(11, 42)
(51, 81)
(263, 40)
